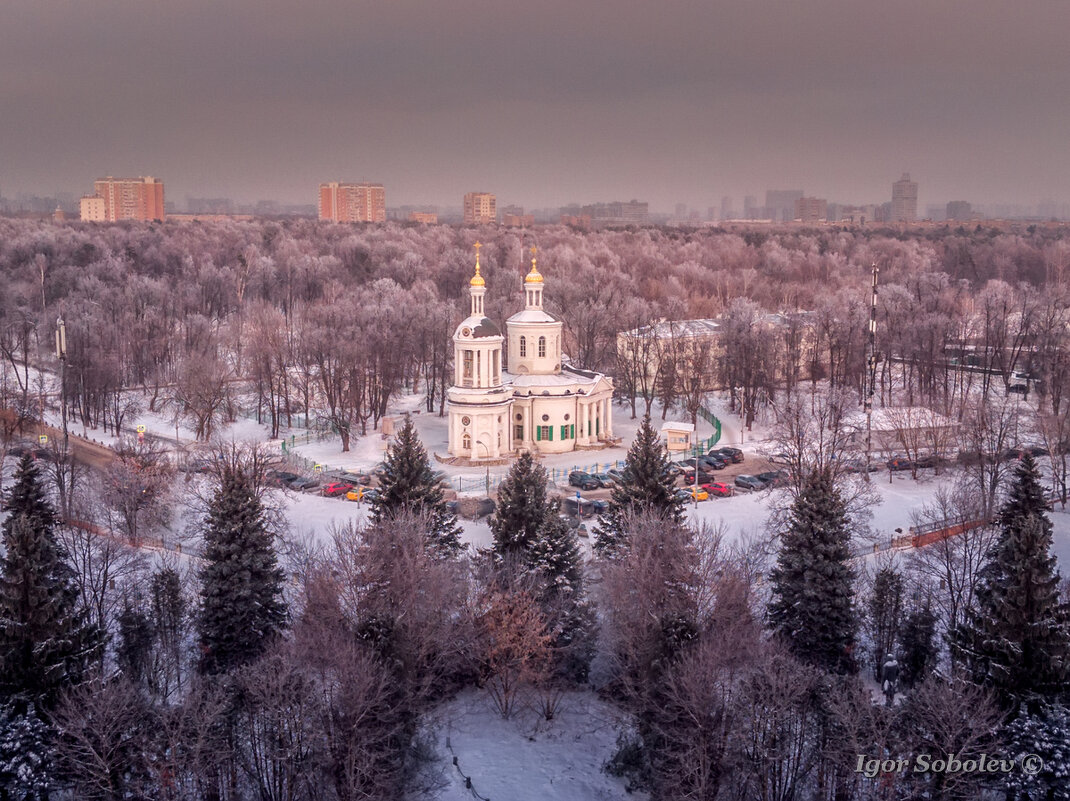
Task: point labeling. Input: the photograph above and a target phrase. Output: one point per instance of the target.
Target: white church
(537, 402)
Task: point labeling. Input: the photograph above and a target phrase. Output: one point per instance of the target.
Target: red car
(717, 489)
(336, 489)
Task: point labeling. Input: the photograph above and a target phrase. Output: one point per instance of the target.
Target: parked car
(337, 488)
(605, 479)
(1019, 452)
(774, 478)
(749, 483)
(859, 466)
(900, 463)
(718, 489)
(280, 478)
(577, 508)
(1018, 389)
(301, 483)
(713, 462)
(691, 494)
(704, 476)
(32, 451)
(585, 481)
(728, 454)
(366, 494)
(354, 478)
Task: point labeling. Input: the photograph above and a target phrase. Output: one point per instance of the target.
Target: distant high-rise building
(959, 210)
(780, 204)
(480, 207)
(633, 212)
(344, 203)
(116, 199)
(514, 217)
(727, 213)
(856, 215)
(427, 217)
(92, 209)
(904, 200)
(811, 209)
(751, 209)
(681, 211)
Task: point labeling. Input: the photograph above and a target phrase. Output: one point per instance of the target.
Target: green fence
(711, 418)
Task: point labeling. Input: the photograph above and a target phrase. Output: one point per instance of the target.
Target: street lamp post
(742, 416)
(61, 354)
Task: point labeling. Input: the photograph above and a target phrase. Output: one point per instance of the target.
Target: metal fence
(711, 418)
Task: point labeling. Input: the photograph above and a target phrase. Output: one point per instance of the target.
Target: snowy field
(527, 758)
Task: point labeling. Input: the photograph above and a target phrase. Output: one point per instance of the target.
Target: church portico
(533, 401)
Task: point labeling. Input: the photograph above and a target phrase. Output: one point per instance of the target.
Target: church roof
(486, 328)
(479, 327)
(532, 316)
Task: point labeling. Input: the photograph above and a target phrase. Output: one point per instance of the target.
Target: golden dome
(477, 279)
(534, 277)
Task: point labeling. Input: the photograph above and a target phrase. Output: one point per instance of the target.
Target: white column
(585, 415)
(609, 416)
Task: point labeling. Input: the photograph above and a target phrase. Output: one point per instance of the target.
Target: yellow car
(691, 494)
(359, 494)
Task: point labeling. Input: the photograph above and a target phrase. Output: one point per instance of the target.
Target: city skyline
(539, 104)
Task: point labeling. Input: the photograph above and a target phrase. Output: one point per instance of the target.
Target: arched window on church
(466, 442)
(523, 346)
(542, 346)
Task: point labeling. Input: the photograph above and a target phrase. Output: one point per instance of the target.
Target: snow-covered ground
(527, 758)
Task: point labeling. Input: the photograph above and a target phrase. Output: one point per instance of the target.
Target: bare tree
(949, 568)
(107, 742)
(280, 726)
(137, 488)
(940, 719)
(514, 647)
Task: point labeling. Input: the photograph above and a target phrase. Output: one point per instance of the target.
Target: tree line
(326, 324)
(272, 670)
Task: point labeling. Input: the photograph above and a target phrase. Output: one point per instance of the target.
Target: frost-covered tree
(1017, 640)
(1044, 735)
(26, 754)
(242, 606)
(45, 643)
(409, 486)
(812, 608)
(647, 489)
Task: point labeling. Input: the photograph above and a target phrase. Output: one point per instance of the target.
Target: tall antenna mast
(871, 365)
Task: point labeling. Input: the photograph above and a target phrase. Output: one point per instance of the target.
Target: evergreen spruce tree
(1043, 734)
(1017, 638)
(885, 615)
(522, 509)
(242, 606)
(648, 488)
(529, 533)
(45, 642)
(812, 608)
(408, 484)
(918, 648)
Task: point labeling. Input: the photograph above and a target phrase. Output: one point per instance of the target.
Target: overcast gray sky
(543, 101)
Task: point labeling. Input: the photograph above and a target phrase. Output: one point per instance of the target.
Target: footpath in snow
(527, 758)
